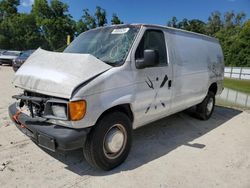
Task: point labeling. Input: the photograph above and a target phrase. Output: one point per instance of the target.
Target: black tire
(94, 148)
(202, 109)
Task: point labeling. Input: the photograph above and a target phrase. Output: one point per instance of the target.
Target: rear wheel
(109, 142)
(206, 107)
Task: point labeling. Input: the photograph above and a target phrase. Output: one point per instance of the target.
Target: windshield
(26, 53)
(109, 44)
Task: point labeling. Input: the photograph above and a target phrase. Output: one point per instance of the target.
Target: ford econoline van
(112, 80)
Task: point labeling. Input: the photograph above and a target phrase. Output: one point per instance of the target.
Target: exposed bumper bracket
(48, 135)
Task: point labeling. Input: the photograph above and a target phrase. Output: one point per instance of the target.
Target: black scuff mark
(147, 109)
(151, 85)
(164, 81)
(163, 104)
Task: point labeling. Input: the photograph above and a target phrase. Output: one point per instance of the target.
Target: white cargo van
(112, 80)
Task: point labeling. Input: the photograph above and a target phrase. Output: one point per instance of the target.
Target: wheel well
(125, 108)
(213, 88)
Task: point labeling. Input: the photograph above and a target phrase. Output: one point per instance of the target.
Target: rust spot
(22, 126)
(15, 117)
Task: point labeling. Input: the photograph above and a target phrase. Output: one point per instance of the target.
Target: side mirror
(151, 59)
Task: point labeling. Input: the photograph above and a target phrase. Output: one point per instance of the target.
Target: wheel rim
(210, 105)
(115, 141)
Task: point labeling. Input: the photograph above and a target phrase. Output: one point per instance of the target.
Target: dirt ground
(178, 151)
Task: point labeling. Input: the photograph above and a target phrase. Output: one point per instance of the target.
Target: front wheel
(109, 142)
(206, 107)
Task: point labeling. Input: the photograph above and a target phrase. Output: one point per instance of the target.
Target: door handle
(169, 84)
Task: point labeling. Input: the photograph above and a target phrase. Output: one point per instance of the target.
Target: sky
(152, 11)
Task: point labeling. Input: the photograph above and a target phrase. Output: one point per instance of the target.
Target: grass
(239, 85)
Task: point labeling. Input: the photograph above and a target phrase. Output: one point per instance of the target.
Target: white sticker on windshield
(120, 31)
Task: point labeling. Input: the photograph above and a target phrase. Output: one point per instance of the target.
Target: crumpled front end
(57, 74)
(47, 135)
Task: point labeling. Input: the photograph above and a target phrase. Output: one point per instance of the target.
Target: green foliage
(194, 25)
(81, 26)
(89, 21)
(173, 22)
(115, 20)
(235, 43)
(8, 8)
(239, 85)
(54, 22)
(100, 15)
(19, 33)
(214, 23)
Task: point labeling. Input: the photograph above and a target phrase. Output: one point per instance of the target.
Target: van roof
(170, 28)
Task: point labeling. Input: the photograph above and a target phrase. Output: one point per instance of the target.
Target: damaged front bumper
(47, 135)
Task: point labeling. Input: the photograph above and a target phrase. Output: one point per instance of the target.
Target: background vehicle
(7, 57)
(17, 62)
(112, 80)
(1, 51)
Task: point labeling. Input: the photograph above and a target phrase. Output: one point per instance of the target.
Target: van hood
(57, 74)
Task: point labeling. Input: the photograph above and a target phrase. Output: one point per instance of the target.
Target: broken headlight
(59, 110)
(56, 109)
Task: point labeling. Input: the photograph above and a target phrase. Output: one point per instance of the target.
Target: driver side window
(153, 40)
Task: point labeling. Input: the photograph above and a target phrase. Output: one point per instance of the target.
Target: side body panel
(194, 58)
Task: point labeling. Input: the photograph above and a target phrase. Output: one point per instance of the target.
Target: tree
(197, 26)
(173, 22)
(235, 42)
(92, 21)
(54, 22)
(20, 33)
(115, 20)
(239, 18)
(229, 19)
(89, 20)
(214, 23)
(8, 8)
(194, 25)
(227, 37)
(239, 52)
(100, 16)
(80, 27)
(183, 24)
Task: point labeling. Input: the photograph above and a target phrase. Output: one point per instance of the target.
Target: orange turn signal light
(77, 110)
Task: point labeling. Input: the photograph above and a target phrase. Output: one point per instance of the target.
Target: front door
(153, 93)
